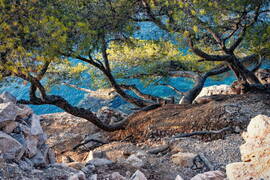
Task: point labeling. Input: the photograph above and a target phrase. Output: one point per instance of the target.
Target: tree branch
(43, 70)
(143, 95)
(206, 56)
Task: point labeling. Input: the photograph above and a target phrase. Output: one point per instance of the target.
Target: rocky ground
(148, 143)
(154, 145)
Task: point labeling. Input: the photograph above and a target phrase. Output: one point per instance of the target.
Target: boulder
(10, 147)
(8, 112)
(255, 152)
(215, 90)
(183, 159)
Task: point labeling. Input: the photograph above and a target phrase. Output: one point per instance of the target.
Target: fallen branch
(158, 149)
(201, 133)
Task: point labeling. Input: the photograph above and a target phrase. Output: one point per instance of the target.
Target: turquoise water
(75, 96)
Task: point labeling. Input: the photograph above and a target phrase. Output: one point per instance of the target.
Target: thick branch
(78, 112)
(173, 88)
(143, 95)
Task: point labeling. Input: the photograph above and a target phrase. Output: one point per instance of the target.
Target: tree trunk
(189, 96)
(241, 72)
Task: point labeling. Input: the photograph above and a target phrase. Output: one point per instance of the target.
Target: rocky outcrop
(21, 135)
(24, 153)
(215, 90)
(255, 153)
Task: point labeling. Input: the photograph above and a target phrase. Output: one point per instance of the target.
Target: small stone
(210, 175)
(25, 129)
(67, 159)
(138, 175)
(100, 162)
(178, 177)
(117, 176)
(183, 159)
(134, 161)
(78, 176)
(95, 154)
(76, 165)
(93, 177)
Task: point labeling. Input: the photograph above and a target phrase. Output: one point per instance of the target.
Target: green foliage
(194, 17)
(34, 32)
